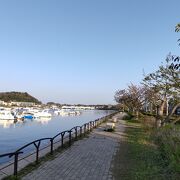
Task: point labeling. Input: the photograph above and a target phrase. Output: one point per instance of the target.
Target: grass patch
(142, 157)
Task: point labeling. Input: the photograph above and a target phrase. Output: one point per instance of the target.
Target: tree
(152, 98)
(157, 84)
(166, 83)
(122, 97)
(173, 76)
(176, 61)
(131, 98)
(18, 97)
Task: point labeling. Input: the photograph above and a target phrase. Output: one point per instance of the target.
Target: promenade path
(87, 159)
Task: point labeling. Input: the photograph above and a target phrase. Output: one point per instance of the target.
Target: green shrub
(168, 141)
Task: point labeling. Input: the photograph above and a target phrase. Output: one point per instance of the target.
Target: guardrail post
(69, 138)
(96, 124)
(37, 150)
(15, 163)
(76, 133)
(51, 145)
(84, 129)
(88, 126)
(81, 131)
(62, 139)
(93, 124)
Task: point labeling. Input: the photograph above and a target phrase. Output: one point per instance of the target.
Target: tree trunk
(161, 108)
(158, 119)
(167, 119)
(137, 114)
(151, 108)
(174, 122)
(167, 108)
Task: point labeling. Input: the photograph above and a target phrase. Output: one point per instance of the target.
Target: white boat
(6, 115)
(69, 112)
(64, 113)
(42, 113)
(23, 114)
(56, 112)
(74, 112)
(78, 112)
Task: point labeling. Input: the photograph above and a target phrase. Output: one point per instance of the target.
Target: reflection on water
(43, 120)
(14, 123)
(7, 123)
(14, 134)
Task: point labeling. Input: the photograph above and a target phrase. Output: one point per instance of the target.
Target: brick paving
(87, 159)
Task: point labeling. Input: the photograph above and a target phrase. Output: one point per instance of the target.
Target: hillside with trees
(18, 97)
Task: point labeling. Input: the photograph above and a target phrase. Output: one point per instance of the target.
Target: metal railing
(72, 134)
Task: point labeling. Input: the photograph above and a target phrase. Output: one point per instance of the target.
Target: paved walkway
(87, 159)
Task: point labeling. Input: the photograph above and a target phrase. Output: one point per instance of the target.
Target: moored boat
(42, 113)
(6, 115)
(28, 116)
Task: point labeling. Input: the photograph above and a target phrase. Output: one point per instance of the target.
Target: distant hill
(18, 97)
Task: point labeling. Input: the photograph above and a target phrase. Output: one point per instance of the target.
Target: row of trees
(158, 93)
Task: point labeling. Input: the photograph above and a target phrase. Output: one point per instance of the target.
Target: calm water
(15, 135)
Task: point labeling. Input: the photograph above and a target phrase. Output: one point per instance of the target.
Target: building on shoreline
(27, 104)
(79, 107)
(18, 104)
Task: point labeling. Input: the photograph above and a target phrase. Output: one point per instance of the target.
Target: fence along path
(87, 159)
(19, 161)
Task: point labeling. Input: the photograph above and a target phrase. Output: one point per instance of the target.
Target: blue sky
(82, 51)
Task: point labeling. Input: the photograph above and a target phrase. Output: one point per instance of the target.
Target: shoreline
(25, 162)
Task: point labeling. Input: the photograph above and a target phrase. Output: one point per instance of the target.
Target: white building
(22, 104)
(79, 107)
